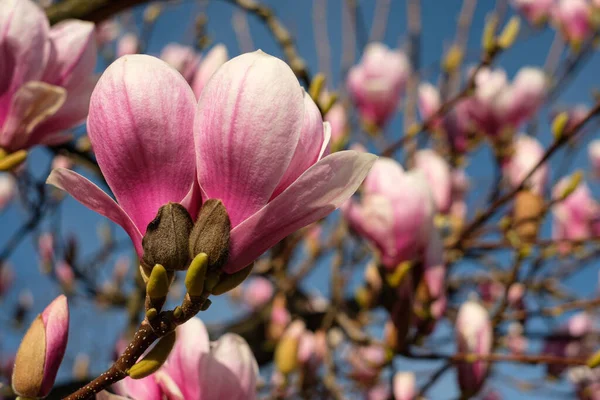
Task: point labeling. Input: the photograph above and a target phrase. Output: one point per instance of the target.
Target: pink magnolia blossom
(61, 161)
(528, 152)
(429, 103)
(258, 292)
(199, 370)
(438, 175)
(498, 105)
(473, 336)
(46, 75)
(65, 275)
(273, 178)
(213, 60)
(376, 84)
(404, 385)
(574, 19)
(536, 11)
(42, 351)
(128, 44)
(396, 212)
(8, 189)
(183, 58)
(568, 340)
(593, 155)
(366, 363)
(338, 120)
(573, 217)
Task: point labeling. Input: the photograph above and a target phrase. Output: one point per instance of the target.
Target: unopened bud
(395, 278)
(194, 278)
(574, 182)
(594, 360)
(167, 237)
(210, 234)
(11, 161)
(154, 359)
(152, 12)
(559, 124)
(453, 59)
(158, 283)
(316, 87)
(230, 281)
(488, 40)
(286, 354)
(509, 33)
(527, 214)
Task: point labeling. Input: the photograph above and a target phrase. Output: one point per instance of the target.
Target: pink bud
(61, 161)
(516, 293)
(429, 102)
(183, 58)
(213, 60)
(380, 391)
(366, 363)
(46, 247)
(594, 156)
(536, 11)
(516, 342)
(7, 276)
(376, 84)
(338, 120)
(404, 386)
(65, 275)
(121, 268)
(41, 351)
(8, 189)
(527, 154)
(573, 17)
(128, 44)
(258, 292)
(568, 341)
(437, 173)
(106, 31)
(473, 336)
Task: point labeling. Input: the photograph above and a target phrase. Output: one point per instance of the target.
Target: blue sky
(94, 332)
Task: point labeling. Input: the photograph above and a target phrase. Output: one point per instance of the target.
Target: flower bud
(194, 279)
(41, 351)
(167, 237)
(228, 282)
(527, 214)
(8, 189)
(404, 386)
(210, 234)
(155, 358)
(286, 352)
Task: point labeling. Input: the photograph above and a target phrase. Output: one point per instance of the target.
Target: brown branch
(88, 10)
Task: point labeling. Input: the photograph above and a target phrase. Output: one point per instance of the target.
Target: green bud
(167, 237)
(154, 359)
(230, 281)
(594, 360)
(509, 33)
(488, 40)
(574, 182)
(210, 234)
(151, 314)
(12, 160)
(316, 86)
(194, 278)
(158, 283)
(559, 124)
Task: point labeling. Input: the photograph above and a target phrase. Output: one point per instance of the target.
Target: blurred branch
(89, 10)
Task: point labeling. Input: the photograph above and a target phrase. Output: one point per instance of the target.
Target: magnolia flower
(574, 19)
(199, 370)
(46, 75)
(41, 351)
(438, 175)
(429, 103)
(258, 292)
(183, 58)
(396, 212)
(536, 11)
(573, 217)
(497, 105)
(404, 385)
(260, 147)
(473, 336)
(376, 84)
(213, 60)
(8, 189)
(128, 44)
(568, 340)
(528, 152)
(593, 155)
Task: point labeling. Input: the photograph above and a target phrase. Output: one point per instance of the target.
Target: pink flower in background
(7, 277)
(536, 11)
(61, 161)
(128, 44)
(199, 370)
(41, 351)
(46, 248)
(257, 292)
(429, 103)
(211, 62)
(144, 146)
(183, 58)
(574, 19)
(65, 275)
(573, 218)
(586, 381)
(338, 120)
(404, 385)
(377, 83)
(438, 175)
(8, 189)
(498, 105)
(515, 341)
(473, 336)
(568, 340)
(366, 363)
(527, 154)
(380, 391)
(460, 187)
(46, 75)
(594, 157)
(396, 212)
(274, 178)
(106, 32)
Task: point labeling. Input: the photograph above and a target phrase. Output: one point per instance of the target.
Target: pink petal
(216, 57)
(168, 386)
(183, 365)
(139, 389)
(23, 34)
(33, 104)
(104, 395)
(140, 126)
(247, 128)
(56, 322)
(183, 58)
(314, 195)
(72, 53)
(91, 196)
(309, 146)
(383, 177)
